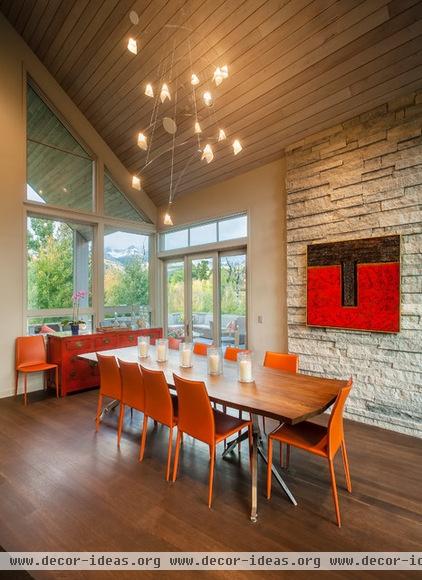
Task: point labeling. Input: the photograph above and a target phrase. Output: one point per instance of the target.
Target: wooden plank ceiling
(295, 67)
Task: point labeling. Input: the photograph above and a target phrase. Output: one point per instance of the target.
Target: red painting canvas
(355, 284)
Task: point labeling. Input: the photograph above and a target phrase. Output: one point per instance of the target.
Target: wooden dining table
(286, 397)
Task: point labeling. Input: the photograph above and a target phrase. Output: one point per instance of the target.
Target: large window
(126, 277)
(230, 228)
(59, 170)
(62, 243)
(59, 256)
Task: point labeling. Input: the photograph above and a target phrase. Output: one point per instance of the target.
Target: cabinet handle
(106, 341)
(73, 375)
(79, 344)
(131, 338)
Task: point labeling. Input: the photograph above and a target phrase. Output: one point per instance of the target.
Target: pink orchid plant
(76, 299)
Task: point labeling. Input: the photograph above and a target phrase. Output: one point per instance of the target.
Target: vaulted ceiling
(295, 67)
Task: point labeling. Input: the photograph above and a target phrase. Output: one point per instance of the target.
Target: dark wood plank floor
(64, 487)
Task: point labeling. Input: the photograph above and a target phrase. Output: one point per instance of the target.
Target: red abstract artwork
(355, 284)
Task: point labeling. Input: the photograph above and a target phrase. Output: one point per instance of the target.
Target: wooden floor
(64, 487)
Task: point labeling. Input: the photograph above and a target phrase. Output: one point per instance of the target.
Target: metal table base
(258, 449)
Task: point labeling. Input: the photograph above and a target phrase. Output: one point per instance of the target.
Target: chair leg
(44, 378)
(16, 383)
(281, 455)
(120, 426)
(346, 466)
(144, 438)
(56, 376)
(169, 450)
(239, 433)
(287, 456)
(269, 466)
(250, 441)
(263, 425)
(131, 413)
(334, 489)
(25, 388)
(176, 456)
(98, 415)
(211, 480)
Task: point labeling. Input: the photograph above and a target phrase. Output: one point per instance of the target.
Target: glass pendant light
(132, 46)
(237, 147)
(207, 153)
(165, 93)
(207, 98)
(136, 182)
(167, 219)
(149, 90)
(198, 128)
(194, 80)
(221, 135)
(220, 74)
(142, 141)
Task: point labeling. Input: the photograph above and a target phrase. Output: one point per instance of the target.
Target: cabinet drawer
(127, 339)
(106, 342)
(80, 344)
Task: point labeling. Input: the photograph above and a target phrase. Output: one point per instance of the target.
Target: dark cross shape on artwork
(351, 253)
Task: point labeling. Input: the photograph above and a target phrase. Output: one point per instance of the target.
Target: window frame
(230, 244)
(96, 219)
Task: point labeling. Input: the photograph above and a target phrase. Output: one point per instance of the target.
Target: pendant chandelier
(178, 100)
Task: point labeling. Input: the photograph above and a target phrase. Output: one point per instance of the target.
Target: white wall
(261, 193)
(16, 59)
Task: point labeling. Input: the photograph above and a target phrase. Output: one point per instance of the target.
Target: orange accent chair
(231, 353)
(31, 357)
(199, 420)
(200, 348)
(133, 392)
(110, 384)
(174, 343)
(282, 362)
(161, 406)
(319, 440)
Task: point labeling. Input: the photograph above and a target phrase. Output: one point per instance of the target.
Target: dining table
(289, 398)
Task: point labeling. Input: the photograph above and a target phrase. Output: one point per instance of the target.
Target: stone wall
(362, 178)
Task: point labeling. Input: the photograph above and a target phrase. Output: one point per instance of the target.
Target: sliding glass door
(205, 298)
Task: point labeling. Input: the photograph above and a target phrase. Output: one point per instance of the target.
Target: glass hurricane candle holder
(244, 367)
(215, 361)
(185, 354)
(162, 345)
(143, 346)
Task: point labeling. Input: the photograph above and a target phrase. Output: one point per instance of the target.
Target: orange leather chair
(282, 362)
(200, 348)
(231, 353)
(160, 406)
(199, 420)
(31, 357)
(319, 440)
(110, 383)
(133, 392)
(174, 343)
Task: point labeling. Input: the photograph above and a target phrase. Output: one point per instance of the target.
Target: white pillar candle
(245, 371)
(186, 357)
(214, 360)
(161, 353)
(143, 349)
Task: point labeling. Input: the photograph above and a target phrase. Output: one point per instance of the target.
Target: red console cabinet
(76, 374)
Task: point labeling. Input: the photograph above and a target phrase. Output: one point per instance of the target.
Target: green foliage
(128, 284)
(50, 264)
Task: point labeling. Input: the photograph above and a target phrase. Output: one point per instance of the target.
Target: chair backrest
(200, 348)
(30, 350)
(195, 415)
(110, 381)
(174, 343)
(158, 403)
(133, 392)
(335, 423)
(232, 352)
(282, 361)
